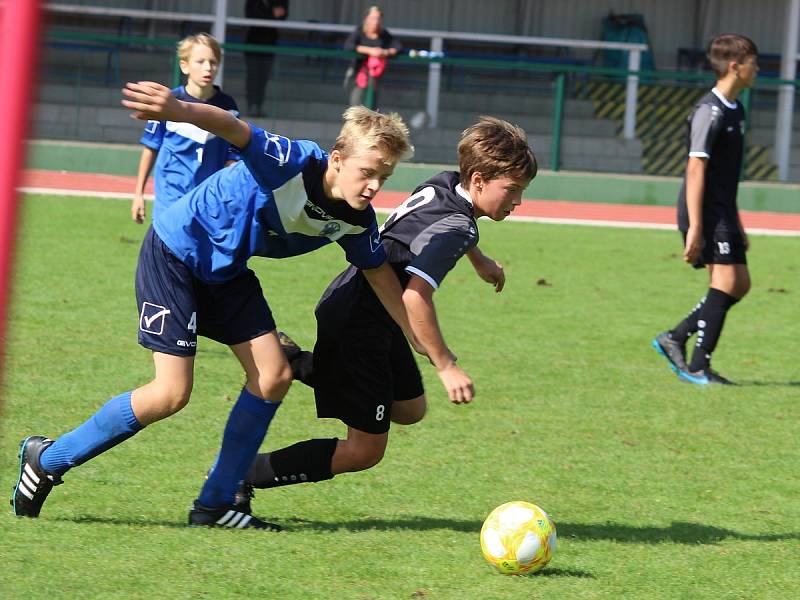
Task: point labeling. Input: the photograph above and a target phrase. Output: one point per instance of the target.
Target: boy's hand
(691, 251)
(491, 271)
(151, 101)
(137, 209)
(457, 383)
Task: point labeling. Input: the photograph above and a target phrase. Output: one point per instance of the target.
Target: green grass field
(658, 489)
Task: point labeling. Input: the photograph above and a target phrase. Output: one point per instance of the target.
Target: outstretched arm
(487, 268)
(387, 288)
(150, 100)
(418, 300)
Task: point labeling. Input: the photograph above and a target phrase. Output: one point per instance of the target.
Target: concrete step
(393, 97)
(765, 136)
(766, 119)
(54, 121)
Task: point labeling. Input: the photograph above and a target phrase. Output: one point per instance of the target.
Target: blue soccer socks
(112, 424)
(247, 425)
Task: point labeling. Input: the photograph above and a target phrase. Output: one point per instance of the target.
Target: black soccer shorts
(720, 248)
(360, 370)
(175, 307)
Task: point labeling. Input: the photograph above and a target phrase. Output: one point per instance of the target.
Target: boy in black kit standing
(708, 217)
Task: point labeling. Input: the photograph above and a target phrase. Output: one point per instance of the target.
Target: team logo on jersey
(375, 241)
(331, 228)
(278, 147)
(316, 212)
(152, 318)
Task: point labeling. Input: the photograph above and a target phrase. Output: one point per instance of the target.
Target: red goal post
(19, 44)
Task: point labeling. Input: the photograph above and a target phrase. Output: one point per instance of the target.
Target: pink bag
(374, 67)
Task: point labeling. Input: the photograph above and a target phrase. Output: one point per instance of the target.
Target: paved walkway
(542, 211)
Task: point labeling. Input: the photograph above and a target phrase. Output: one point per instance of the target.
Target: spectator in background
(259, 64)
(375, 45)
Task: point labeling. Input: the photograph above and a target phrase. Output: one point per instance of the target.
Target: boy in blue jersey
(708, 216)
(184, 155)
(284, 198)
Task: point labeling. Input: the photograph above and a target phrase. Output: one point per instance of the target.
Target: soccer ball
(518, 537)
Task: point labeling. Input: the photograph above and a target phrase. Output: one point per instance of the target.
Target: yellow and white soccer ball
(518, 537)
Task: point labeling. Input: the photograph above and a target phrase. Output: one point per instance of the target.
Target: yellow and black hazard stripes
(661, 125)
(758, 163)
(663, 156)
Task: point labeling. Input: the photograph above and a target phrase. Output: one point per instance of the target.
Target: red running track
(531, 209)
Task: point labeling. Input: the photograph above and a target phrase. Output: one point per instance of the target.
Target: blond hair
(494, 148)
(727, 47)
(184, 47)
(366, 129)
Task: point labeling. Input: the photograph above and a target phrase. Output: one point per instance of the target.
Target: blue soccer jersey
(271, 204)
(187, 155)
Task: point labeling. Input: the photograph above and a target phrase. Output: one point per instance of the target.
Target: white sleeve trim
(700, 154)
(424, 275)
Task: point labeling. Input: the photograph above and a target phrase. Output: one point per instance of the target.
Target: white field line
(550, 220)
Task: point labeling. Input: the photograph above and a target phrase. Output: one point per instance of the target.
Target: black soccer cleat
(673, 351)
(291, 349)
(243, 497)
(33, 483)
(704, 377)
(227, 516)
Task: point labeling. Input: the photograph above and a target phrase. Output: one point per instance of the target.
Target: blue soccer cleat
(673, 351)
(704, 377)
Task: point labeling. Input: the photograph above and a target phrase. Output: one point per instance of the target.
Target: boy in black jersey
(708, 217)
(362, 369)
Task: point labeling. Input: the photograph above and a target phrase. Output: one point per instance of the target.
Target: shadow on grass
(127, 522)
(769, 383)
(410, 523)
(678, 532)
(550, 572)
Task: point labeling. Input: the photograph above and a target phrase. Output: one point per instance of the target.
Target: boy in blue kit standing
(708, 217)
(185, 155)
(284, 198)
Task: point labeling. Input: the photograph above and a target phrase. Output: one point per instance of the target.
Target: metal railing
(557, 73)
(436, 45)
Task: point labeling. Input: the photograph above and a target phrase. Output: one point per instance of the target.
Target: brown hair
(727, 47)
(366, 129)
(186, 44)
(494, 148)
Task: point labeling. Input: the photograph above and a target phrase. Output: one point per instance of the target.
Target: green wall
(123, 159)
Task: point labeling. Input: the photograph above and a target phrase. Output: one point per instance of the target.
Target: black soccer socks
(710, 319)
(303, 462)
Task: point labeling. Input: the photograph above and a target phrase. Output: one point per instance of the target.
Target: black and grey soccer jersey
(424, 236)
(431, 230)
(715, 131)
